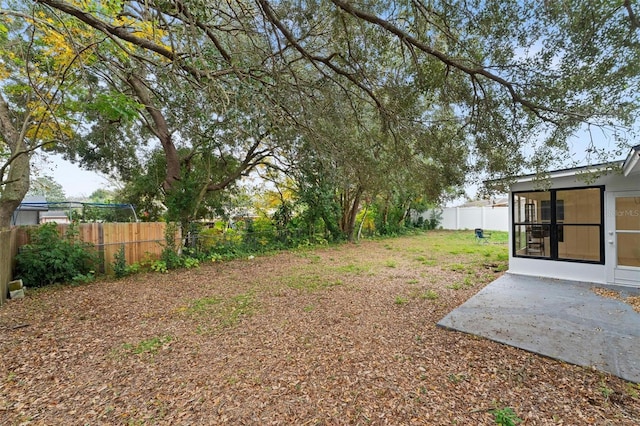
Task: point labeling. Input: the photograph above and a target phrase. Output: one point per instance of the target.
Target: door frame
(617, 275)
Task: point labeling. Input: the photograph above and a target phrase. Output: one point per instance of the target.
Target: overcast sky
(75, 181)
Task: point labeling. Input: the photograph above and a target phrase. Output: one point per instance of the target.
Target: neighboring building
(57, 216)
(30, 210)
(578, 230)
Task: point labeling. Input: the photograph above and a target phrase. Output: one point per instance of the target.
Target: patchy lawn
(338, 335)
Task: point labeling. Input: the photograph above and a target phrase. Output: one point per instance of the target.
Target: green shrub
(159, 266)
(50, 258)
(120, 263)
(506, 417)
(191, 262)
(170, 256)
(120, 267)
(435, 219)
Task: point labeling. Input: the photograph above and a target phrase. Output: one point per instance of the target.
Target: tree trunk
(161, 130)
(350, 207)
(14, 186)
(364, 217)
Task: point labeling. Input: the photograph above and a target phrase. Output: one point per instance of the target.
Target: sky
(75, 181)
(78, 183)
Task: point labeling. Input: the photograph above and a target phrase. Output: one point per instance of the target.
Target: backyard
(332, 335)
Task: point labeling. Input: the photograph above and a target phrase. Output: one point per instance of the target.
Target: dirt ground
(330, 336)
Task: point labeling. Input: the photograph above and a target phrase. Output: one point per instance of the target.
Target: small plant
(310, 282)
(190, 262)
(505, 417)
(151, 345)
(170, 256)
(633, 390)
(159, 266)
(119, 264)
(435, 218)
(455, 286)
(457, 267)
(401, 300)
(605, 390)
(242, 305)
(457, 378)
(390, 264)
(84, 278)
(134, 268)
(203, 304)
(430, 295)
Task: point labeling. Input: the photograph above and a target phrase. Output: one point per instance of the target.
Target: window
(560, 224)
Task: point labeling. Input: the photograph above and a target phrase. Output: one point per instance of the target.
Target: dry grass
(339, 335)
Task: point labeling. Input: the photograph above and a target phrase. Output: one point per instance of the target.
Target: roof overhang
(632, 163)
(556, 174)
(628, 167)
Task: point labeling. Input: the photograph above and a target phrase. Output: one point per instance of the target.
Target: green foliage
(390, 263)
(169, 255)
(435, 219)
(119, 264)
(84, 278)
(505, 417)
(430, 295)
(242, 305)
(190, 262)
(227, 311)
(401, 300)
(159, 266)
(310, 282)
(50, 258)
(47, 187)
(203, 304)
(148, 346)
(115, 106)
(120, 267)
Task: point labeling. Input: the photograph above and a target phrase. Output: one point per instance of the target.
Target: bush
(50, 258)
(120, 267)
(170, 255)
(435, 218)
(120, 263)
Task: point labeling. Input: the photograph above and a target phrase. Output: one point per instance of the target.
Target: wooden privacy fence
(141, 240)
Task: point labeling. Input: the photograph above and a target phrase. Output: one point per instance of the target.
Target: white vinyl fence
(489, 218)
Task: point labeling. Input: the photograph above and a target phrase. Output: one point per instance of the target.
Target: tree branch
(635, 23)
(404, 37)
(270, 15)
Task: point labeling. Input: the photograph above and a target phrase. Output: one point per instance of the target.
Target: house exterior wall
(613, 184)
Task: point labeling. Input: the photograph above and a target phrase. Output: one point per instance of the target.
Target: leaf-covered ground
(337, 335)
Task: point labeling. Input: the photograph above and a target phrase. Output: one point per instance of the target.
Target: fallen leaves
(136, 351)
(633, 301)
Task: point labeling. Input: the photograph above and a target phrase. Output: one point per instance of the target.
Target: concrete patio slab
(564, 320)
